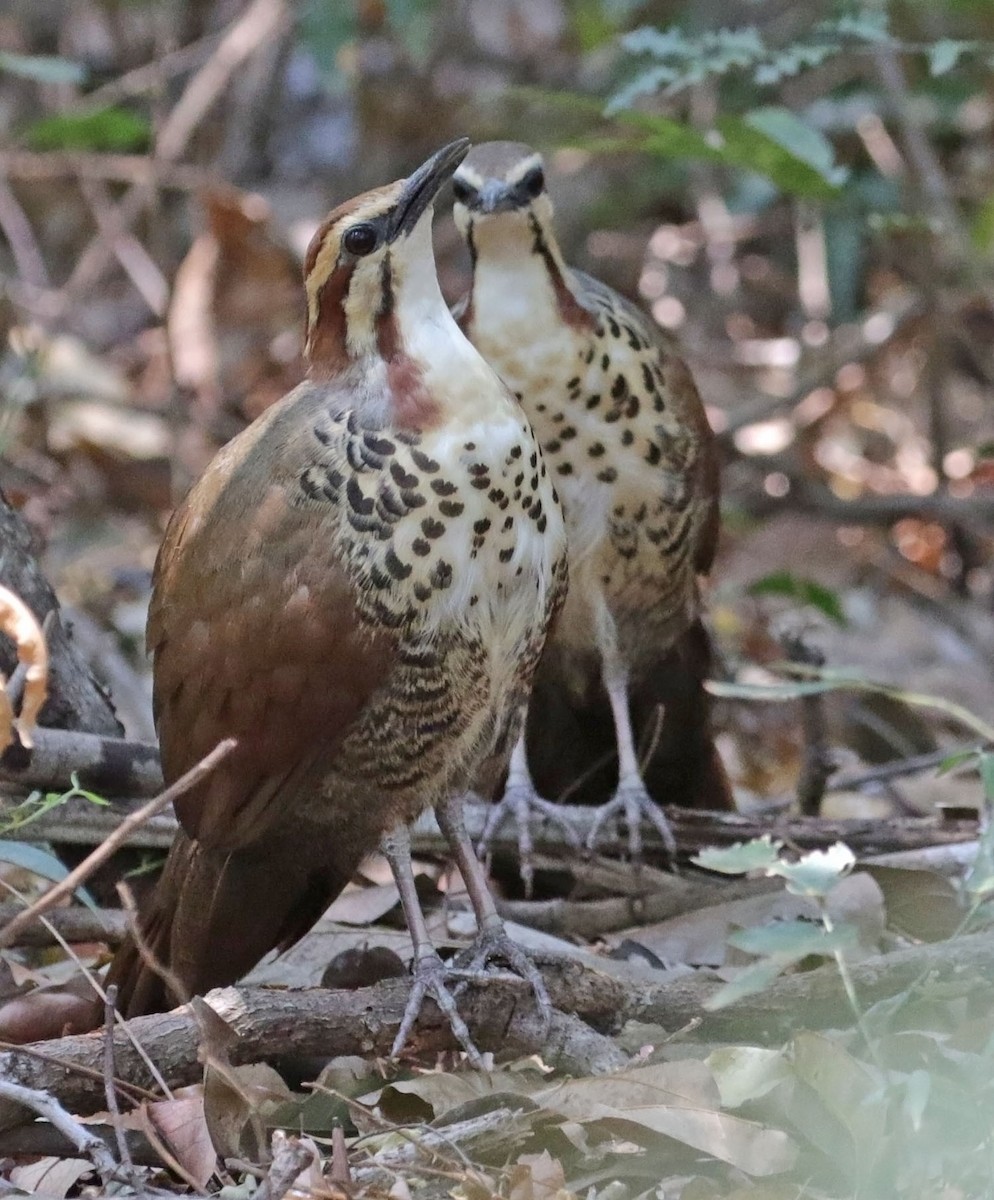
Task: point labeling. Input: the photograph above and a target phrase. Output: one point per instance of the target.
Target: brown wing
(255, 634)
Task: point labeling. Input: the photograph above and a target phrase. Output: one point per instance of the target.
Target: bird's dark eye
(462, 190)
(534, 182)
(360, 240)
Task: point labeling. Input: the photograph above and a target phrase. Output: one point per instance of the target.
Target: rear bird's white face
(500, 199)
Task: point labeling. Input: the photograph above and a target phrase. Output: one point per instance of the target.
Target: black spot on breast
(519, 479)
(553, 446)
(469, 446)
(620, 387)
(615, 328)
(574, 382)
(422, 591)
(627, 437)
(588, 358)
(596, 450)
(421, 547)
(482, 482)
(541, 523)
(508, 523)
(412, 499)
(389, 505)
(423, 462)
(432, 528)
(443, 487)
(357, 501)
(378, 445)
(398, 569)
(653, 454)
(565, 468)
(647, 379)
(593, 401)
(533, 460)
(441, 575)
(608, 475)
(605, 361)
(322, 435)
(482, 525)
(632, 407)
(515, 452)
(401, 477)
(568, 433)
(506, 555)
(451, 508)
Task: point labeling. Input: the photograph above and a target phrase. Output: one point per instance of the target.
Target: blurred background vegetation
(801, 191)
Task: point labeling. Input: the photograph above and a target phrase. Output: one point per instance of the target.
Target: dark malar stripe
(570, 309)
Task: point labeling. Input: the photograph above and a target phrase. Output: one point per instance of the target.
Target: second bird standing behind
(626, 437)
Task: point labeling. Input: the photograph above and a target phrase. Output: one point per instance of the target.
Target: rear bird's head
(370, 257)
(500, 188)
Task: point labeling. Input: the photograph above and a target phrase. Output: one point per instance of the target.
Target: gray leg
(429, 971)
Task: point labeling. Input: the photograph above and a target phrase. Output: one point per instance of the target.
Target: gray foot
(520, 805)
(634, 804)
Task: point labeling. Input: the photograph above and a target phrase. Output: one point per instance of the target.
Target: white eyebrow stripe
(521, 169)
(468, 175)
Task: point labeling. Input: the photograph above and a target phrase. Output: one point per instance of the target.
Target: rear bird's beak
(495, 196)
(421, 187)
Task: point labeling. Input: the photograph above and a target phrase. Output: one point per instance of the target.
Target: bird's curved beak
(424, 184)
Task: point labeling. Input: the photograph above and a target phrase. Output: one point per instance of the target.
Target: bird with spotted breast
(625, 435)
(358, 590)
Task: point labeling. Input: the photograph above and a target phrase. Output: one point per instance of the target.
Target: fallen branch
(270, 1023)
(73, 924)
(106, 765)
(44, 1105)
(78, 822)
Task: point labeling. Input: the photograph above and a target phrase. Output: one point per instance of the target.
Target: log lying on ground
(78, 822)
(271, 1024)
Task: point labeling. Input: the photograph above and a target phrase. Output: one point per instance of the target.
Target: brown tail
(214, 915)
(571, 746)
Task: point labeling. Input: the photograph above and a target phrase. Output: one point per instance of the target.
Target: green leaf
(986, 764)
(945, 54)
(756, 855)
(42, 68)
(745, 1073)
(817, 872)
(753, 979)
(804, 591)
(42, 863)
(806, 144)
(108, 129)
(735, 142)
(789, 941)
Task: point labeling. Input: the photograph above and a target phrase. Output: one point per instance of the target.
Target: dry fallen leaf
(181, 1124)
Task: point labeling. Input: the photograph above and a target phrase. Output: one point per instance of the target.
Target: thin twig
(110, 1091)
(65, 887)
(48, 1107)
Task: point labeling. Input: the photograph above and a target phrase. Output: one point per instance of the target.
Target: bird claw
(431, 979)
(520, 805)
(635, 805)
(471, 965)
